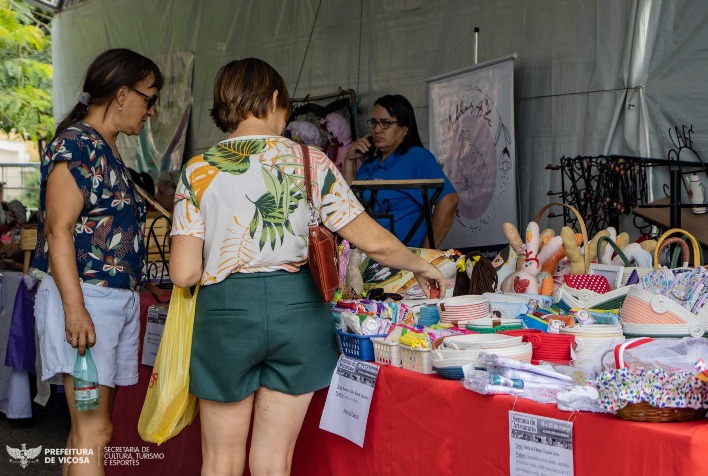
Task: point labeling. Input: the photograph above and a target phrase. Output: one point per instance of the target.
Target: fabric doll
(515, 241)
(576, 255)
(354, 280)
(640, 253)
(306, 133)
(340, 130)
(505, 263)
(526, 279)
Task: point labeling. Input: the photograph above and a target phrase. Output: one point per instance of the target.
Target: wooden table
(697, 225)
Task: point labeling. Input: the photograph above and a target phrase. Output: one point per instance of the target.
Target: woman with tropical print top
(263, 341)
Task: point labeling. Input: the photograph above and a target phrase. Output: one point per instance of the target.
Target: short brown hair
(244, 87)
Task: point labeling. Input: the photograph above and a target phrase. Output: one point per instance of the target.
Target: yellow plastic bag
(168, 405)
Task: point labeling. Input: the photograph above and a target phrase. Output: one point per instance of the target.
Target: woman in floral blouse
(263, 341)
(90, 241)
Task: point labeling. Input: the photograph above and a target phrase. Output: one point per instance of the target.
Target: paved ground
(48, 427)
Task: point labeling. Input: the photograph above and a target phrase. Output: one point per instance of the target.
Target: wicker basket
(642, 411)
(28, 238)
(581, 225)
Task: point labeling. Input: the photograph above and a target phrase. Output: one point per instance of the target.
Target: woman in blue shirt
(400, 155)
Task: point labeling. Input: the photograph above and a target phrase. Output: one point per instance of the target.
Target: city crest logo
(23, 455)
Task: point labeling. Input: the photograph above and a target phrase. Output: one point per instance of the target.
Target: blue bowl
(450, 373)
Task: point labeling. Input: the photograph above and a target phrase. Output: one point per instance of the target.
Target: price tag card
(346, 409)
(153, 333)
(540, 445)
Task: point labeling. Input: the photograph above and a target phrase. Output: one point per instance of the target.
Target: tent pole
(476, 43)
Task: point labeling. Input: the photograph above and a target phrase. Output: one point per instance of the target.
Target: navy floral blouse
(108, 234)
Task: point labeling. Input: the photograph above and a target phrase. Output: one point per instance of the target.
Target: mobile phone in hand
(370, 153)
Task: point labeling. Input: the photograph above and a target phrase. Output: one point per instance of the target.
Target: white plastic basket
(387, 353)
(418, 359)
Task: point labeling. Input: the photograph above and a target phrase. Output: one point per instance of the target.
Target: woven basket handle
(696, 247)
(615, 246)
(581, 223)
(685, 252)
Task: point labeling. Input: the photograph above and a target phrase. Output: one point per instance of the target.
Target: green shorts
(261, 330)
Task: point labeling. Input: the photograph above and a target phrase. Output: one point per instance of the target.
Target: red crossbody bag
(322, 248)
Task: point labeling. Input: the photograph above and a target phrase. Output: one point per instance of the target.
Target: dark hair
(110, 71)
(245, 87)
(400, 108)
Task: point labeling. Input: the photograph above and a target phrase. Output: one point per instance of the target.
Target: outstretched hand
(431, 279)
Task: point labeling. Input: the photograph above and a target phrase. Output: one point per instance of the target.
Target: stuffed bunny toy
(576, 255)
(548, 269)
(640, 253)
(526, 279)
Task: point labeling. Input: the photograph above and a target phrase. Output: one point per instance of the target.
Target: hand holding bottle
(80, 332)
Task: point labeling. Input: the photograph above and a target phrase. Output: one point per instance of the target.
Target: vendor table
(424, 425)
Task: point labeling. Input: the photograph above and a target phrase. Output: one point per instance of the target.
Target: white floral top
(246, 199)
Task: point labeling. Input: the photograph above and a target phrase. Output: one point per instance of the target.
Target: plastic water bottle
(85, 382)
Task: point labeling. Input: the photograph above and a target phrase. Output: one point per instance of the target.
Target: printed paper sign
(153, 333)
(346, 410)
(539, 445)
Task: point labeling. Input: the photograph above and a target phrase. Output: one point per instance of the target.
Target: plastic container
(356, 346)
(386, 353)
(418, 359)
(86, 391)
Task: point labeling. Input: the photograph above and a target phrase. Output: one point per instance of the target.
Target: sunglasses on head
(150, 100)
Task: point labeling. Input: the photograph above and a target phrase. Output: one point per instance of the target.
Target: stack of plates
(590, 338)
(463, 308)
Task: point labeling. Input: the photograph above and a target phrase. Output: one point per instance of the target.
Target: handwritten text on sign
(346, 409)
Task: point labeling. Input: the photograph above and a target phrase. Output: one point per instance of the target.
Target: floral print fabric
(656, 387)
(108, 234)
(246, 199)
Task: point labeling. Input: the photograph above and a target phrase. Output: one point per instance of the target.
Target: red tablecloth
(424, 425)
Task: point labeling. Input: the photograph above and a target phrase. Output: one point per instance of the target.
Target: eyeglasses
(150, 100)
(384, 123)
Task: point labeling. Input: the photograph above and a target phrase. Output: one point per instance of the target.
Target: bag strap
(614, 245)
(306, 162)
(308, 173)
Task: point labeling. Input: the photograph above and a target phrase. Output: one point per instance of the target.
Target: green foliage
(30, 193)
(25, 71)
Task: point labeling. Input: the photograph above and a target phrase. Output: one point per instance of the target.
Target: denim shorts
(261, 330)
(116, 319)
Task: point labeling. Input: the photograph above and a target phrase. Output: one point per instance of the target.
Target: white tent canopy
(592, 76)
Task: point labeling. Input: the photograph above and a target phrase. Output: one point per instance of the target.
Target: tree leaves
(25, 72)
